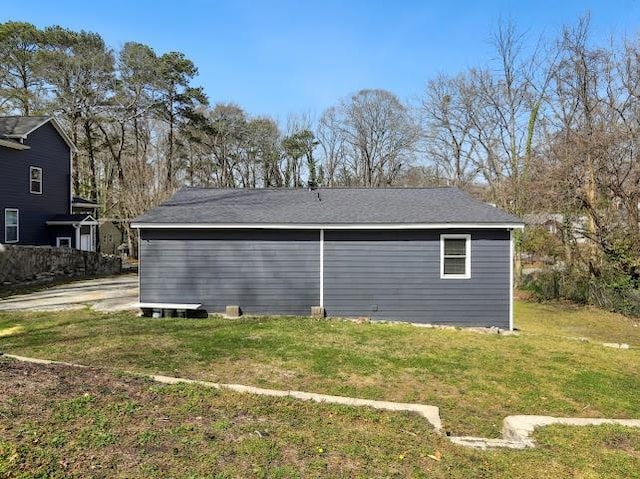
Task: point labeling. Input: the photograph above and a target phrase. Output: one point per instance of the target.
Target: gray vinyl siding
(391, 275)
(396, 275)
(49, 152)
(262, 271)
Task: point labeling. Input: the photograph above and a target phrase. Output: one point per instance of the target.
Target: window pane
(12, 233)
(454, 266)
(455, 247)
(36, 174)
(11, 218)
(36, 186)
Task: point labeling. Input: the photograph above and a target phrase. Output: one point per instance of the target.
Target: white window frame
(467, 262)
(31, 180)
(68, 238)
(17, 225)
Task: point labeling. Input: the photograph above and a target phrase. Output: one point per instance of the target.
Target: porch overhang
(79, 202)
(72, 220)
(13, 144)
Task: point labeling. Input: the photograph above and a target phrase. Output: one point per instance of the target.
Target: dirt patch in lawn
(59, 422)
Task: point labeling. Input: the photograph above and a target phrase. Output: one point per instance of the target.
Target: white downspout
(511, 257)
(322, 268)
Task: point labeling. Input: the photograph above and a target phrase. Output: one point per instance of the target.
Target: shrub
(537, 242)
(610, 292)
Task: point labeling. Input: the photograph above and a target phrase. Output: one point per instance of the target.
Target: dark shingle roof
(336, 206)
(20, 125)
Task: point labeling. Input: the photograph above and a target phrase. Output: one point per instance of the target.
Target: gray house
(425, 255)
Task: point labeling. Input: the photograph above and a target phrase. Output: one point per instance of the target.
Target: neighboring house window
(63, 242)
(455, 256)
(35, 175)
(11, 234)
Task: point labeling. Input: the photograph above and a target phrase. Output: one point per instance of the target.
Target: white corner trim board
(511, 285)
(355, 226)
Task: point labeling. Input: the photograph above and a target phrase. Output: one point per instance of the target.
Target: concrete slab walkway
(115, 293)
(516, 431)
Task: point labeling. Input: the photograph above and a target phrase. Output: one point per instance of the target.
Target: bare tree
(378, 134)
(447, 117)
(332, 146)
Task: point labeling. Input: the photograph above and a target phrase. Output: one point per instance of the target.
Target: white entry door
(85, 243)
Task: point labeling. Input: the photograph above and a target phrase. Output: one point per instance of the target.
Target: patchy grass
(61, 422)
(569, 320)
(475, 379)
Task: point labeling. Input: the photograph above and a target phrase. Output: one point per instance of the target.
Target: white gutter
(352, 226)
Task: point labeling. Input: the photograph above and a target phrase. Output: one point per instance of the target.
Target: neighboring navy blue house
(36, 202)
(424, 255)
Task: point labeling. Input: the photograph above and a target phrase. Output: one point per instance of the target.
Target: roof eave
(72, 223)
(86, 220)
(14, 145)
(352, 226)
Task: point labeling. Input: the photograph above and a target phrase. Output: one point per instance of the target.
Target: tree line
(550, 125)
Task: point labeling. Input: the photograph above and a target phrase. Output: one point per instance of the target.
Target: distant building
(36, 199)
(555, 224)
(111, 236)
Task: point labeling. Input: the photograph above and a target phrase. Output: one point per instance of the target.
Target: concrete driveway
(116, 293)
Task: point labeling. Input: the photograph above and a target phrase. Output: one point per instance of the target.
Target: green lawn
(60, 422)
(476, 379)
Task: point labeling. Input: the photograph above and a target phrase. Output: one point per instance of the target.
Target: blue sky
(277, 57)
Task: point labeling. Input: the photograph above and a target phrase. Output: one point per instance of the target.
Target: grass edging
(517, 429)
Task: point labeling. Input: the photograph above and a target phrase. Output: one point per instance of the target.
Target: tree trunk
(93, 195)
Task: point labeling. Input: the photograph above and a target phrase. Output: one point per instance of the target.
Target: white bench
(190, 306)
(157, 310)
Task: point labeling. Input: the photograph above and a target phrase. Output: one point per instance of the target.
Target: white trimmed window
(455, 256)
(35, 180)
(11, 225)
(63, 242)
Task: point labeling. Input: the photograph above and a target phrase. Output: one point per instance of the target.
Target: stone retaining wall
(31, 265)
